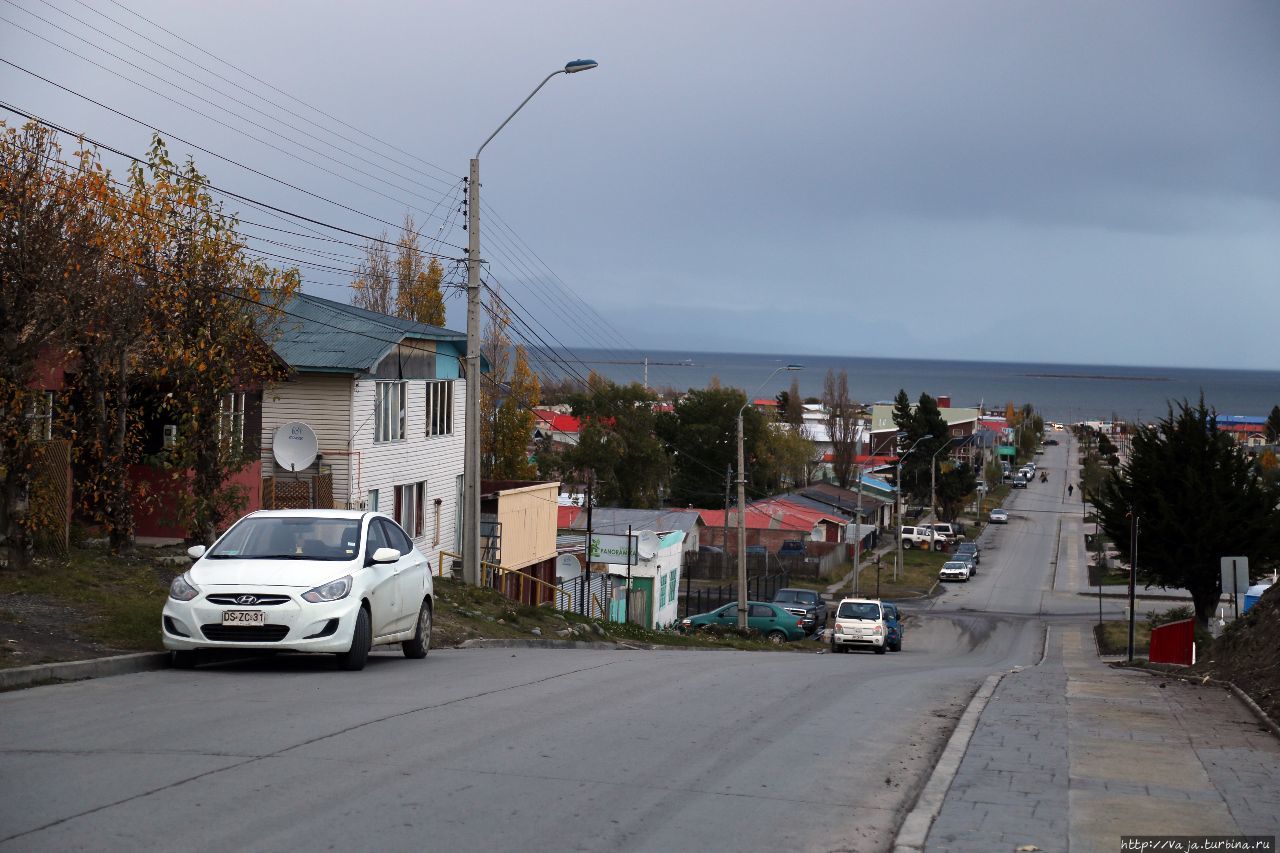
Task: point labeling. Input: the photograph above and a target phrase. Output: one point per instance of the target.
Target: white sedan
(999, 516)
(338, 581)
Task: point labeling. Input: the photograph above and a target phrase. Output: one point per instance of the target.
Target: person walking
(1070, 490)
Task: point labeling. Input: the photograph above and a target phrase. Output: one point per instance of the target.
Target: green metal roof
(323, 335)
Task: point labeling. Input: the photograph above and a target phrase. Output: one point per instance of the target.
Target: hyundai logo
(246, 600)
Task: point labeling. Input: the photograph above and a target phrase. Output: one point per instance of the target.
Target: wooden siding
(322, 402)
(528, 518)
(418, 457)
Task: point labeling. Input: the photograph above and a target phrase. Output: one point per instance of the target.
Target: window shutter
(396, 513)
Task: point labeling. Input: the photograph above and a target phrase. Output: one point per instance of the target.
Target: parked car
(862, 623)
(970, 551)
(1051, 442)
(1019, 481)
(792, 548)
(893, 626)
(805, 603)
(757, 551)
(950, 532)
(771, 620)
(921, 537)
(313, 580)
(954, 570)
(999, 516)
(709, 549)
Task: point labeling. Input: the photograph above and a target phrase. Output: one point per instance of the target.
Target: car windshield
(858, 610)
(966, 549)
(290, 538)
(954, 565)
(795, 596)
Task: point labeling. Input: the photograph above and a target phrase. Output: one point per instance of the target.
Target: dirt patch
(35, 630)
(1248, 653)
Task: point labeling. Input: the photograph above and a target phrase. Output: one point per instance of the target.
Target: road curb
(78, 670)
(582, 644)
(915, 828)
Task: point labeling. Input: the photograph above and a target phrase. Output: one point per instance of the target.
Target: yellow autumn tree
(408, 285)
(515, 422)
(372, 288)
(417, 280)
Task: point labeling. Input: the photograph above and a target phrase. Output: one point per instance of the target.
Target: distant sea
(1061, 392)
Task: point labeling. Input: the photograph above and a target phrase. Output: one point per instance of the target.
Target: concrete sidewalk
(1073, 754)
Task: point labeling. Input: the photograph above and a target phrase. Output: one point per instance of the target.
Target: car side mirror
(195, 552)
(385, 555)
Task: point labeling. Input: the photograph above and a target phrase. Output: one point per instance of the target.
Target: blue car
(893, 625)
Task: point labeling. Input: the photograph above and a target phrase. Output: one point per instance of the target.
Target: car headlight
(331, 591)
(182, 589)
(686, 621)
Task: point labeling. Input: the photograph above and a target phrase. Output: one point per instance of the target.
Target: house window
(40, 416)
(662, 590)
(373, 500)
(409, 500)
(388, 411)
(440, 408)
(231, 425)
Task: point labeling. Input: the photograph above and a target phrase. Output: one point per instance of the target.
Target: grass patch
(120, 597)
(465, 612)
(919, 574)
(1113, 638)
(1107, 577)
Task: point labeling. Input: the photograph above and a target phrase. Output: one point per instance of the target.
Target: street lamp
(933, 479)
(742, 501)
(471, 452)
(902, 456)
(857, 547)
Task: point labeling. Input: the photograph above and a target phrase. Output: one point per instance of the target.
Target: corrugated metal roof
(320, 334)
(615, 520)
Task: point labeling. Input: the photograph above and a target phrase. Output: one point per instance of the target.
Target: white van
(861, 623)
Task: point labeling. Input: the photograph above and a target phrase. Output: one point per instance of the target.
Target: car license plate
(244, 617)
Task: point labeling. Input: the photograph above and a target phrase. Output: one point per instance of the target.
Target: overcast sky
(1079, 182)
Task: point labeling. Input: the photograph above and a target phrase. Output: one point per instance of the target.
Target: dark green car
(771, 620)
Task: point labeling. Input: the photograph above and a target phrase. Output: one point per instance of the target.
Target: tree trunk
(119, 499)
(17, 538)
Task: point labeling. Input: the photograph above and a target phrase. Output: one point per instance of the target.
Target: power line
(202, 149)
(208, 184)
(273, 88)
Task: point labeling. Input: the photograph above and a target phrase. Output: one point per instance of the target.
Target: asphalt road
(501, 749)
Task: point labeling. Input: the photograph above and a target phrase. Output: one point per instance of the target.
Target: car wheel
(353, 659)
(880, 650)
(896, 647)
(906, 544)
(776, 637)
(418, 647)
(185, 659)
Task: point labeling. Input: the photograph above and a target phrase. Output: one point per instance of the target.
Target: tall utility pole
(471, 443)
(742, 502)
(898, 566)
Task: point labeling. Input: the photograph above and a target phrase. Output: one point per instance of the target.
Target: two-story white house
(386, 401)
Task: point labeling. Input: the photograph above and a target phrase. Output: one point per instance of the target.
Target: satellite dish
(567, 566)
(294, 446)
(647, 544)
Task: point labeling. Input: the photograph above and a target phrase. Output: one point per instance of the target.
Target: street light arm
(518, 109)
(768, 379)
